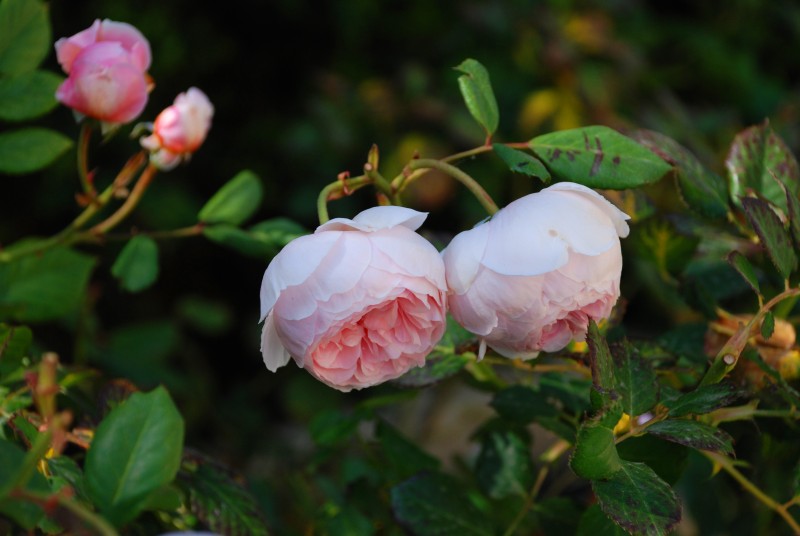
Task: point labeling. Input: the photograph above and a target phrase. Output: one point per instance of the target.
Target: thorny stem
(727, 464)
(471, 184)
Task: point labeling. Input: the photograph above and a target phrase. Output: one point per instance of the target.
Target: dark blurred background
(302, 90)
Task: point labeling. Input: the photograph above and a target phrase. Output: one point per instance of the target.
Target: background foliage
(301, 92)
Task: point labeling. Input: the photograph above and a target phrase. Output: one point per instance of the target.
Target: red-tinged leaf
(773, 235)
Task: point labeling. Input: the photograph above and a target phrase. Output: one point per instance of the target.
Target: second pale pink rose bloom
(357, 303)
(180, 129)
(532, 277)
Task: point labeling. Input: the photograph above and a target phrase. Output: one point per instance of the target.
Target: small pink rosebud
(357, 303)
(180, 129)
(532, 277)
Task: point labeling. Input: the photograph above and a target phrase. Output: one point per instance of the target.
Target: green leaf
(403, 458)
(638, 500)
(595, 454)
(26, 514)
(768, 325)
(793, 208)
(745, 269)
(333, 427)
(594, 522)
(346, 520)
(28, 95)
(522, 404)
(261, 241)
(215, 497)
(136, 450)
(24, 35)
(602, 364)
(30, 149)
(667, 459)
(14, 344)
(636, 380)
(759, 160)
(658, 242)
(704, 399)
(236, 201)
(693, 434)
(504, 466)
(434, 503)
(277, 231)
(773, 235)
(438, 366)
(521, 162)
(136, 266)
(66, 471)
(789, 393)
(703, 191)
(598, 157)
(476, 88)
(42, 287)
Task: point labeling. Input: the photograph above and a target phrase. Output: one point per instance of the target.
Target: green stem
(480, 194)
(337, 190)
(83, 160)
(727, 464)
(130, 203)
(99, 524)
(39, 448)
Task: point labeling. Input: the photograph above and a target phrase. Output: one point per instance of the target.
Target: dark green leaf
(346, 521)
(403, 458)
(438, 366)
(602, 364)
(262, 241)
(14, 344)
(704, 399)
(277, 231)
(24, 35)
(26, 513)
(636, 380)
(657, 241)
(789, 393)
(219, 501)
(693, 434)
(332, 427)
(793, 207)
(136, 450)
(435, 504)
(522, 404)
(638, 500)
(66, 471)
(595, 523)
(42, 287)
(30, 149)
(760, 160)
(504, 466)
(28, 95)
(702, 190)
(686, 340)
(773, 235)
(598, 157)
(137, 264)
(572, 393)
(745, 269)
(476, 88)
(236, 201)
(521, 162)
(768, 325)
(666, 458)
(595, 454)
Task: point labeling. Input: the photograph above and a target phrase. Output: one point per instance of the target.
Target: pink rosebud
(530, 278)
(104, 84)
(180, 129)
(131, 39)
(357, 303)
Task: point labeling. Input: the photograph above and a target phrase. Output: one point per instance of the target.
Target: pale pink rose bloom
(104, 84)
(357, 303)
(532, 277)
(180, 129)
(128, 37)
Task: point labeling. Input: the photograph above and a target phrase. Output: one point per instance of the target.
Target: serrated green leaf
(135, 451)
(793, 212)
(220, 502)
(521, 162)
(704, 399)
(235, 202)
(667, 459)
(28, 95)
(14, 344)
(504, 466)
(434, 503)
(636, 380)
(43, 287)
(595, 454)
(522, 404)
(658, 242)
(30, 149)
(24, 35)
(768, 325)
(773, 235)
(693, 434)
(136, 266)
(703, 191)
(602, 365)
(789, 393)
(598, 157)
(476, 88)
(403, 458)
(745, 269)
(638, 500)
(759, 159)
(594, 522)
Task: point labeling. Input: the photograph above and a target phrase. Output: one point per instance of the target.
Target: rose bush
(357, 303)
(532, 277)
(107, 67)
(180, 129)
